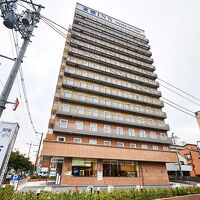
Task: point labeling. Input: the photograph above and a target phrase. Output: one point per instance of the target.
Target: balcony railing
(115, 28)
(111, 72)
(112, 133)
(110, 39)
(121, 66)
(113, 93)
(105, 117)
(107, 31)
(74, 97)
(114, 48)
(114, 82)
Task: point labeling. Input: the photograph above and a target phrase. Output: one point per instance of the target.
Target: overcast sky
(172, 26)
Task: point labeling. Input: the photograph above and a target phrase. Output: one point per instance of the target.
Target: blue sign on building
(15, 177)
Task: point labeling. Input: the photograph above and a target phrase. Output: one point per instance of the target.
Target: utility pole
(29, 150)
(37, 156)
(24, 23)
(174, 143)
(197, 114)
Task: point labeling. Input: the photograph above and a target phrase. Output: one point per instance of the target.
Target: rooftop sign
(108, 19)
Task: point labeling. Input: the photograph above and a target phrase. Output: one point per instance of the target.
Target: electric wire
(178, 105)
(24, 88)
(179, 89)
(180, 95)
(54, 23)
(179, 109)
(54, 28)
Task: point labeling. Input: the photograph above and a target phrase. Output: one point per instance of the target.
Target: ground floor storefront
(92, 171)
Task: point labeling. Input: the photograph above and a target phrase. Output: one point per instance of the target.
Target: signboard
(15, 177)
(8, 134)
(109, 19)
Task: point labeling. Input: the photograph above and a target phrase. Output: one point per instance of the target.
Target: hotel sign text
(108, 19)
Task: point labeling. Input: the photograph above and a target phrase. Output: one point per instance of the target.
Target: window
(142, 133)
(162, 136)
(86, 54)
(84, 167)
(107, 143)
(96, 76)
(118, 116)
(95, 100)
(120, 144)
(153, 135)
(107, 90)
(73, 60)
(85, 63)
(93, 127)
(120, 168)
(155, 147)
(81, 110)
(165, 148)
(70, 81)
(107, 129)
(107, 114)
(83, 85)
(106, 102)
(147, 110)
(81, 97)
(84, 73)
(96, 87)
(74, 50)
(132, 145)
(63, 123)
(96, 66)
(150, 122)
(68, 94)
(118, 104)
(131, 132)
(137, 108)
(94, 113)
(71, 70)
(144, 146)
(60, 139)
(188, 156)
(130, 118)
(77, 140)
(79, 125)
(92, 141)
(119, 130)
(65, 108)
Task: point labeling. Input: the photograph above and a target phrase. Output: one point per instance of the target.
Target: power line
(178, 105)
(179, 109)
(23, 86)
(54, 23)
(54, 28)
(180, 95)
(179, 89)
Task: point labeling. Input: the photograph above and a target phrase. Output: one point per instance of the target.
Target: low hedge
(117, 194)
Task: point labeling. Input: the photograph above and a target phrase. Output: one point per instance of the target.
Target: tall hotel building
(107, 125)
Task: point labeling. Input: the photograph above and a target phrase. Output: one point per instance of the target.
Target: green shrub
(6, 193)
(116, 194)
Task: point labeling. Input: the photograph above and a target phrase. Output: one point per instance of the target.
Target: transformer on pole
(24, 23)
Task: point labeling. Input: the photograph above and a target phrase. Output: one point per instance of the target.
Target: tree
(19, 163)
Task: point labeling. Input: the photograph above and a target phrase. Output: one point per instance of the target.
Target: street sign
(8, 134)
(15, 177)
